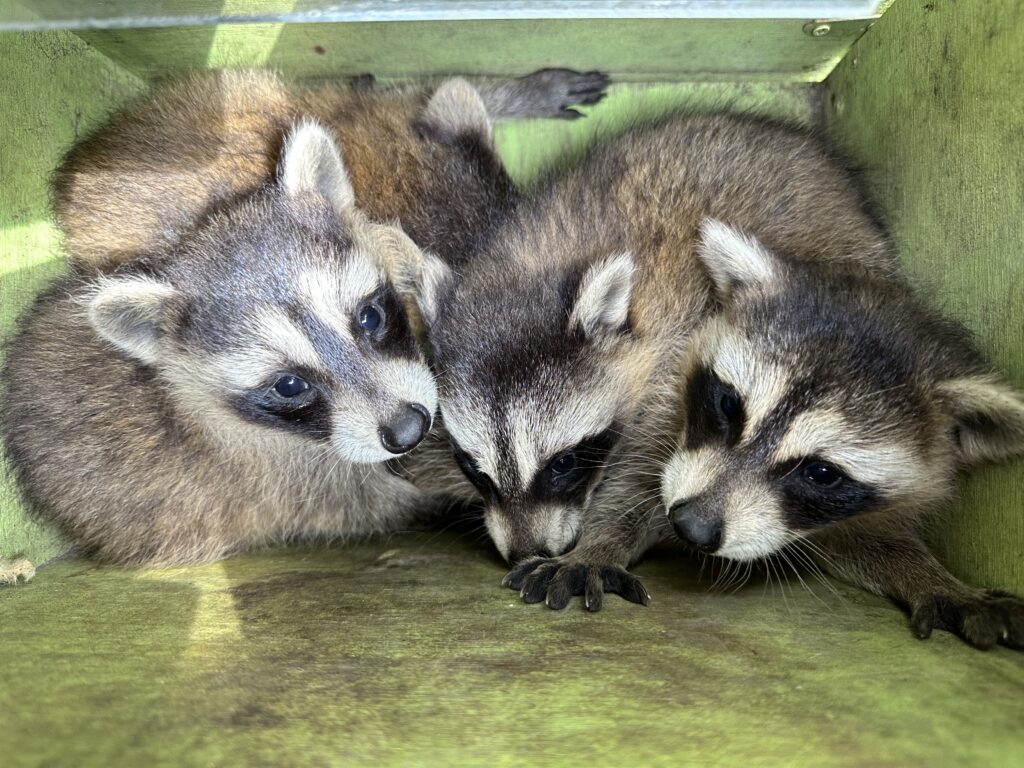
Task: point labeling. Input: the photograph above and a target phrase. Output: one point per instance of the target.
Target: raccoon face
(816, 396)
(278, 316)
(536, 380)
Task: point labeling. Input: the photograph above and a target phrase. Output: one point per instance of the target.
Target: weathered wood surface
(931, 103)
(408, 652)
(732, 50)
(53, 89)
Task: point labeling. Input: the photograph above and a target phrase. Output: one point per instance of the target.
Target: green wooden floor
(408, 652)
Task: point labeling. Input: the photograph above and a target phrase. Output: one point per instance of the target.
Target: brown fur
(645, 193)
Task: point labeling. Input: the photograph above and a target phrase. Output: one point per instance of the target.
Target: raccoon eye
(563, 465)
(370, 318)
(823, 474)
(729, 405)
(289, 386)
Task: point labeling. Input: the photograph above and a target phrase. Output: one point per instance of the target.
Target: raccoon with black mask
(823, 414)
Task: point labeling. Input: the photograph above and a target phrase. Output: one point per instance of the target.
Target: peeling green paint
(930, 103)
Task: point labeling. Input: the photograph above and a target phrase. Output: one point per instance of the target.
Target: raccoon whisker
(811, 555)
(805, 557)
(796, 572)
(746, 576)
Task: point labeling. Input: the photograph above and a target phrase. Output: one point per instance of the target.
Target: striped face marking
(355, 375)
(535, 462)
(770, 455)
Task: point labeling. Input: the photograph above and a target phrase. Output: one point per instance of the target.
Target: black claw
(514, 578)
(593, 98)
(567, 583)
(535, 587)
(984, 621)
(594, 591)
(568, 114)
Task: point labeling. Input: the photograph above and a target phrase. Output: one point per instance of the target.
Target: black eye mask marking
(567, 475)
(472, 471)
(714, 411)
(293, 400)
(816, 492)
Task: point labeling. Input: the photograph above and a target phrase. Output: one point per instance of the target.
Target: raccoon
(558, 349)
(195, 155)
(244, 387)
(823, 414)
(419, 155)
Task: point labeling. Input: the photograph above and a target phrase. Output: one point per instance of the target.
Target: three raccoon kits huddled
(699, 328)
(231, 361)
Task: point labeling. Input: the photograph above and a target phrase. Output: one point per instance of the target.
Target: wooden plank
(410, 653)
(26, 15)
(54, 89)
(930, 102)
(735, 50)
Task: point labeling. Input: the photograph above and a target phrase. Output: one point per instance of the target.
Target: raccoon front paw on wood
(557, 580)
(984, 620)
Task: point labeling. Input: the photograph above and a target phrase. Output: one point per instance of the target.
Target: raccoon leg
(545, 93)
(892, 561)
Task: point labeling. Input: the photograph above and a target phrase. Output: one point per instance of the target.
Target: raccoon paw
(18, 570)
(556, 582)
(553, 92)
(984, 620)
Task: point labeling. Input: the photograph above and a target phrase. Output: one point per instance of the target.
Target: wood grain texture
(409, 653)
(54, 89)
(930, 102)
(26, 15)
(629, 49)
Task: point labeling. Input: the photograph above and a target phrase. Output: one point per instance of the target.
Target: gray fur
(895, 395)
(506, 352)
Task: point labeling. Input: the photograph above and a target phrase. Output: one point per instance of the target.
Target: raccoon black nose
(695, 529)
(406, 430)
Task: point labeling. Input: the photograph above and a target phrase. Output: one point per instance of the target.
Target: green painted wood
(409, 653)
(32, 15)
(930, 101)
(54, 88)
(629, 49)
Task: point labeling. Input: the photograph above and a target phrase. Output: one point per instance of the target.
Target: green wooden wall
(931, 103)
(54, 88)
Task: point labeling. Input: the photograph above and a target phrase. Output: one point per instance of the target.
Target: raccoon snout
(695, 527)
(405, 431)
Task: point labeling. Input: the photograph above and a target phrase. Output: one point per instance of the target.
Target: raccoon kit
(822, 415)
(616, 384)
(558, 349)
(246, 371)
(242, 388)
(421, 156)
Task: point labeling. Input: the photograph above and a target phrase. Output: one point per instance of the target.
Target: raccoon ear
(434, 280)
(457, 107)
(311, 162)
(602, 301)
(733, 258)
(127, 312)
(989, 417)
